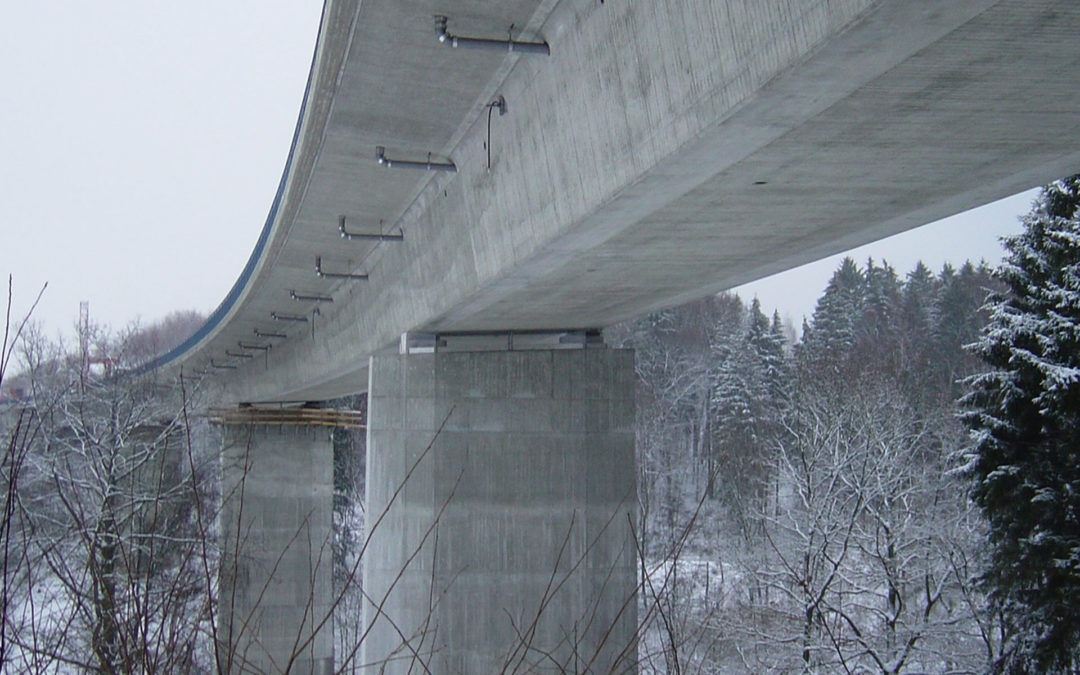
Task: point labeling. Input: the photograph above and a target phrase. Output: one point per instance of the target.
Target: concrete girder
(663, 151)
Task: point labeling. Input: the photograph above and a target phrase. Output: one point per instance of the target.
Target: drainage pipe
(507, 45)
(380, 156)
(358, 235)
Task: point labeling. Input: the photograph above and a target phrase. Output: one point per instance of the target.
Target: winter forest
(799, 493)
(892, 487)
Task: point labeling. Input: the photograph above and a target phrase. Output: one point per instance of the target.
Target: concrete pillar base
(276, 525)
(501, 497)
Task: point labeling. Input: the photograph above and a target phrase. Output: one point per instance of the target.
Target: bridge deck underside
(662, 152)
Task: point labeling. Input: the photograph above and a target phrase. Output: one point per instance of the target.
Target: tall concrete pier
(275, 581)
(501, 497)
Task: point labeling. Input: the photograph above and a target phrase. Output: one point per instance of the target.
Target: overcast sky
(141, 144)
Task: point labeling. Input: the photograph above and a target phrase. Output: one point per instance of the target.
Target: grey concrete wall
(276, 526)
(501, 489)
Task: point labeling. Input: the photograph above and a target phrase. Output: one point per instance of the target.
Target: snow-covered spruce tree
(1025, 420)
(737, 409)
(958, 321)
(833, 330)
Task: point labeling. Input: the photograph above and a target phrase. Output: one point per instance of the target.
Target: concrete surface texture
(275, 587)
(501, 496)
(663, 151)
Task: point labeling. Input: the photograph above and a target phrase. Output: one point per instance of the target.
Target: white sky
(141, 144)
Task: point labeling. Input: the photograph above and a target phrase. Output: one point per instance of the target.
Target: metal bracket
(345, 234)
(507, 45)
(223, 366)
(309, 298)
(277, 316)
(259, 333)
(381, 158)
(261, 348)
(334, 275)
(237, 355)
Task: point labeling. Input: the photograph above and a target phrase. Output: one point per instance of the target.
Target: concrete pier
(500, 506)
(275, 583)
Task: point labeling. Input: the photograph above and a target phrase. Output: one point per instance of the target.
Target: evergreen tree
(776, 364)
(766, 368)
(734, 408)
(877, 335)
(957, 318)
(1025, 421)
(916, 310)
(914, 326)
(882, 297)
(833, 329)
(766, 343)
(916, 295)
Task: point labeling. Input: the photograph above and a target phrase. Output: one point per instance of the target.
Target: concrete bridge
(494, 185)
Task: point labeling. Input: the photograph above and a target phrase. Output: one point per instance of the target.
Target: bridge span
(548, 167)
